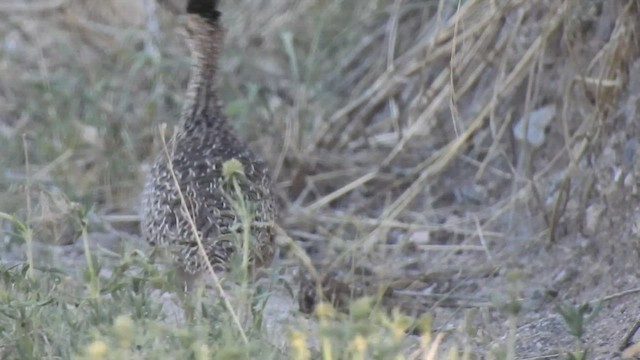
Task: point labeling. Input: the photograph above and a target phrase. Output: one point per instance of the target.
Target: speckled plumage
(204, 141)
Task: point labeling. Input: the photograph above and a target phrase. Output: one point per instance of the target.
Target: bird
(205, 171)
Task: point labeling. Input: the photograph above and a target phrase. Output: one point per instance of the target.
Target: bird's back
(188, 195)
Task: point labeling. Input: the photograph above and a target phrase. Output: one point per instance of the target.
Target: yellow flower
(97, 350)
(399, 324)
(361, 308)
(201, 351)
(324, 310)
(359, 346)
(123, 326)
(299, 345)
(232, 167)
(398, 331)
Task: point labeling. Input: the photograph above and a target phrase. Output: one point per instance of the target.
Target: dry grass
(389, 125)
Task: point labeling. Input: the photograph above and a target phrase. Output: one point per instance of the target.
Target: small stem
(241, 208)
(94, 284)
(28, 234)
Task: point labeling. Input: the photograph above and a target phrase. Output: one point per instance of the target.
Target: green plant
(576, 318)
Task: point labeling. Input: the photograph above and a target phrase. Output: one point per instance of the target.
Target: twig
(626, 345)
(619, 294)
(343, 190)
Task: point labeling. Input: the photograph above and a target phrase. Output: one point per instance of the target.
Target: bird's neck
(205, 36)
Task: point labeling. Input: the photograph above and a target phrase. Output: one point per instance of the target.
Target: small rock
(564, 276)
(592, 218)
(629, 180)
(539, 119)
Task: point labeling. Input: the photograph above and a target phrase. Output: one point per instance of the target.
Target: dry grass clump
(420, 146)
(418, 150)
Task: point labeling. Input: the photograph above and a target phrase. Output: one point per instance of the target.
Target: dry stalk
(388, 83)
(456, 228)
(325, 200)
(444, 156)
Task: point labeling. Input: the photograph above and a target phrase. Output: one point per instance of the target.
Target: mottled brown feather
(204, 141)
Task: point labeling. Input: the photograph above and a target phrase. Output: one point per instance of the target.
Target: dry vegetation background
(392, 127)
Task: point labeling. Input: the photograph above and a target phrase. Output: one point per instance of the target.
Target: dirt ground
(395, 130)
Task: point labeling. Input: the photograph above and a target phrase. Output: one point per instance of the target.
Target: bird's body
(187, 195)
